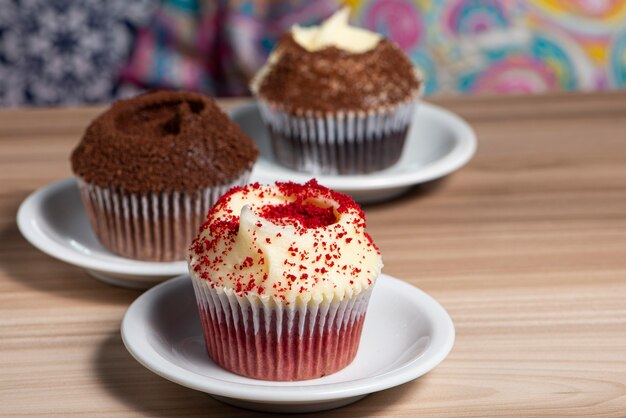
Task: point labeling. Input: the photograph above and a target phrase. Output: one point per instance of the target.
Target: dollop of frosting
(336, 31)
(289, 241)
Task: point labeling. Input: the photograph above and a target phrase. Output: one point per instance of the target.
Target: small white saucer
(438, 143)
(54, 220)
(406, 334)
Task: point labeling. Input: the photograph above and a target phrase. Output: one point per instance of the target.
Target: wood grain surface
(525, 247)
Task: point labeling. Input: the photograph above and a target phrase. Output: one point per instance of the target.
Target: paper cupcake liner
(149, 226)
(338, 143)
(262, 338)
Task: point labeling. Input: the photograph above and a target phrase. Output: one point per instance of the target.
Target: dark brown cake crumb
(332, 79)
(163, 141)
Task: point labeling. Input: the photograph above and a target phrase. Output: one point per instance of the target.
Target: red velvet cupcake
(283, 275)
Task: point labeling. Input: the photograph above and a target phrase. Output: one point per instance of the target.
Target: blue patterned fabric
(65, 51)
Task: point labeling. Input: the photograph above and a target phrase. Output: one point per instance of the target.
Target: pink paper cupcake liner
(260, 337)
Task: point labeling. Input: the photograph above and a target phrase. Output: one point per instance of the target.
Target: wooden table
(525, 247)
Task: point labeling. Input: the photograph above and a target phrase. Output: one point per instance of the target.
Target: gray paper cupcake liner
(149, 226)
(338, 143)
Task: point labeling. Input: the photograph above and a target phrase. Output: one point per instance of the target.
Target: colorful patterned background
(507, 46)
(72, 52)
(463, 46)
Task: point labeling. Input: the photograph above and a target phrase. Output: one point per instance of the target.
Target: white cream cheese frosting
(336, 31)
(289, 242)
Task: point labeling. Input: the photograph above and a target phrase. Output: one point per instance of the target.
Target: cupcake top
(163, 141)
(290, 241)
(335, 67)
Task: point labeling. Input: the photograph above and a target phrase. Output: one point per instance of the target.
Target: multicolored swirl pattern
(462, 46)
(506, 46)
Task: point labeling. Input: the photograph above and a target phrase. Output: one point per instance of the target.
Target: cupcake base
(149, 226)
(263, 339)
(339, 143)
(362, 157)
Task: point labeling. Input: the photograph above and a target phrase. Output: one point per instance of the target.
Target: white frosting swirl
(276, 256)
(335, 31)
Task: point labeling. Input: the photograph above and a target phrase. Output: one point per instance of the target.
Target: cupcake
(337, 99)
(150, 168)
(283, 275)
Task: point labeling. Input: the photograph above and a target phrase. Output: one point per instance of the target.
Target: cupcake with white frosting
(337, 99)
(283, 275)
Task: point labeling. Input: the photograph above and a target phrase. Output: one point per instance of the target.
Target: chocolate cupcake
(151, 167)
(337, 99)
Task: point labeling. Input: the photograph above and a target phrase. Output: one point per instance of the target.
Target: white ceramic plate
(405, 335)
(438, 143)
(54, 220)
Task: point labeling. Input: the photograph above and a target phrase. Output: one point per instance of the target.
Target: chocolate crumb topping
(163, 141)
(332, 79)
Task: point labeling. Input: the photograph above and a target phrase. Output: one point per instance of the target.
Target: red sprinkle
(299, 213)
(305, 209)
